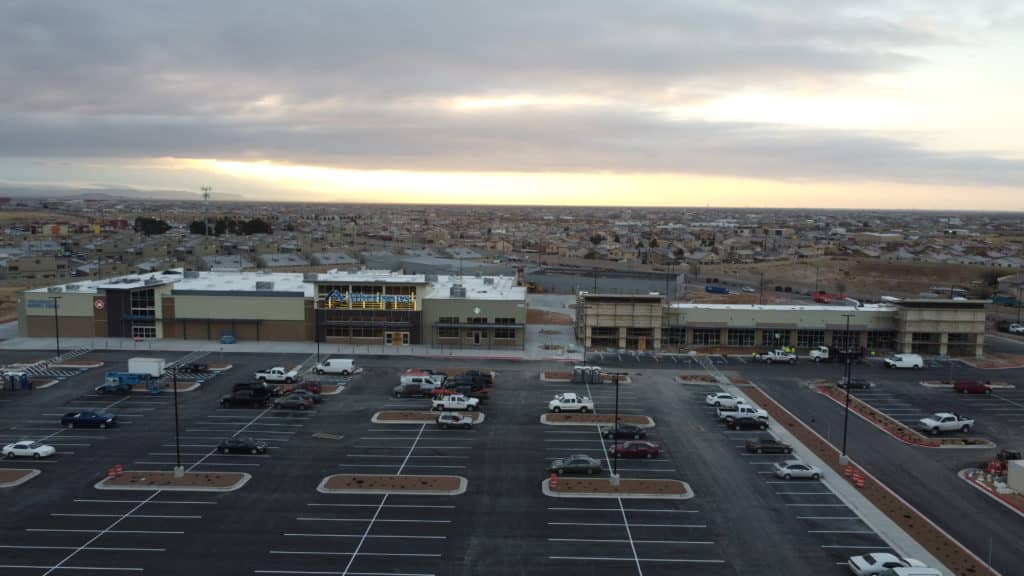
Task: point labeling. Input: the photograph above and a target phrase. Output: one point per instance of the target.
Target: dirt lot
(536, 316)
(864, 277)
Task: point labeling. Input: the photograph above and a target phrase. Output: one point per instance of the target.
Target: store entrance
(396, 338)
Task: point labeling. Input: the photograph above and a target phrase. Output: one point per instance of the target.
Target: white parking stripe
(638, 560)
(384, 536)
(162, 516)
(319, 572)
(659, 510)
(424, 506)
(827, 518)
(614, 541)
(115, 501)
(101, 532)
(371, 520)
(61, 567)
(632, 524)
(103, 548)
(325, 553)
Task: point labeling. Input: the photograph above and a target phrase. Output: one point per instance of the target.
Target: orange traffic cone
(111, 473)
(554, 480)
(848, 470)
(118, 469)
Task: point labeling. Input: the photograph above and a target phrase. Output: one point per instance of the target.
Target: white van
(343, 366)
(904, 361)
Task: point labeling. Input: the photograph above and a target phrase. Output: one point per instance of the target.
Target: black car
(244, 398)
(855, 383)
(194, 368)
(748, 423)
(316, 398)
(767, 444)
(242, 446)
(256, 388)
(624, 431)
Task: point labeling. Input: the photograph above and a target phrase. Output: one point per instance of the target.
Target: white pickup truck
(455, 402)
(727, 414)
(570, 402)
(777, 356)
(946, 422)
(277, 374)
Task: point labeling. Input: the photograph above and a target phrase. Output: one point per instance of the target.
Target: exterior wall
(637, 320)
(938, 320)
(464, 309)
(70, 327)
(74, 313)
(239, 306)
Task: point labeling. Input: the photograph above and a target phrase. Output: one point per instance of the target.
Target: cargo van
(904, 361)
(343, 366)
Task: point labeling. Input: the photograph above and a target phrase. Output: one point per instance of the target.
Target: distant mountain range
(109, 193)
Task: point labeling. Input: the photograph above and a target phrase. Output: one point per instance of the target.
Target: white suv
(1016, 329)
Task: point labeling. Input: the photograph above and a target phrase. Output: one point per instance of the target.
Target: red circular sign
(99, 304)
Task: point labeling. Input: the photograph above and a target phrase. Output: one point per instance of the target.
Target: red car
(285, 389)
(636, 449)
(971, 387)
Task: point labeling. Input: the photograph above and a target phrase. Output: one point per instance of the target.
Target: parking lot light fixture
(615, 434)
(843, 458)
(56, 321)
(179, 470)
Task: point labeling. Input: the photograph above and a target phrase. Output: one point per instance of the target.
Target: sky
(856, 104)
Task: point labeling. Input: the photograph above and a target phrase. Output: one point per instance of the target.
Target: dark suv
(245, 398)
(624, 431)
(854, 383)
(763, 444)
(412, 391)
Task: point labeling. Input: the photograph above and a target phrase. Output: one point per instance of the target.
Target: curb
(965, 475)
(338, 389)
(32, 473)
(987, 446)
(544, 420)
(45, 385)
(242, 481)
(545, 488)
(82, 367)
(463, 484)
(221, 368)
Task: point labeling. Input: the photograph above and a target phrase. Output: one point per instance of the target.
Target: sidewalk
(533, 349)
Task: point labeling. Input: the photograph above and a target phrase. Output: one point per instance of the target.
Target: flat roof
(790, 307)
(369, 277)
(245, 282)
(477, 288)
(126, 282)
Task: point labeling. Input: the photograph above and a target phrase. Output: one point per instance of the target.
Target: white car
(723, 400)
(1016, 329)
(796, 469)
(878, 562)
(28, 449)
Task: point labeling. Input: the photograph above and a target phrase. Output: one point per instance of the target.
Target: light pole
(56, 322)
(179, 470)
(843, 458)
(615, 436)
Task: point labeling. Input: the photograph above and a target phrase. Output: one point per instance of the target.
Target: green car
(576, 464)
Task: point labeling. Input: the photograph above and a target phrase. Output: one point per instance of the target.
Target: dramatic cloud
(475, 86)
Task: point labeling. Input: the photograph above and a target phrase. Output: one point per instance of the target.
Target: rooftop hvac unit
(191, 274)
(264, 285)
(151, 282)
(71, 287)
(431, 277)
(55, 289)
(489, 280)
(310, 277)
(457, 291)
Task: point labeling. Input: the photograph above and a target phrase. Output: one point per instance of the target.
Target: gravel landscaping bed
(165, 480)
(416, 417)
(10, 477)
(627, 488)
(941, 545)
(702, 378)
(590, 419)
(391, 484)
(895, 428)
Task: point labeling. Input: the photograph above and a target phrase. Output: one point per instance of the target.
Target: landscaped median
(942, 546)
(591, 419)
(10, 477)
(566, 377)
(392, 484)
(687, 378)
(166, 480)
(895, 428)
(416, 417)
(656, 489)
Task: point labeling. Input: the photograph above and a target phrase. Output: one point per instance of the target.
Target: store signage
(41, 304)
(360, 298)
(99, 304)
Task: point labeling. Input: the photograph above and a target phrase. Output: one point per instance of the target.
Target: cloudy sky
(888, 103)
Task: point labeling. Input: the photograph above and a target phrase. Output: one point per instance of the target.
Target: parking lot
(279, 524)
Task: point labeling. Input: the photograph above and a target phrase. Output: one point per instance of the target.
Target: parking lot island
(416, 417)
(393, 484)
(896, 429)
(11, 477)
(165, 480)
(646, 488)
(591, 419)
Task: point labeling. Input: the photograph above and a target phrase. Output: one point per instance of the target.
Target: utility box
(1015, 475)
(153, 367)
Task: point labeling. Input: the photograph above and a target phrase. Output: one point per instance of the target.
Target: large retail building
(363, 307)
(941, 327)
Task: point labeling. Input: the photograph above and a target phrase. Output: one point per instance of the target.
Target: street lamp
(56, 322)
(179, 470)
(615, 436)
(843, 458)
